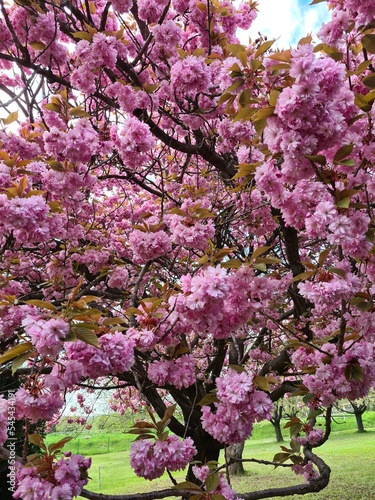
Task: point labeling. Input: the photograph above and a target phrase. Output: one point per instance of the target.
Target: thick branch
(153, 495)
(315, 485)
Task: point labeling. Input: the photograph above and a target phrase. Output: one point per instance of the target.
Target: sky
(287, 20)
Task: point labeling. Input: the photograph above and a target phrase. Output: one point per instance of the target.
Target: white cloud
(286, 20)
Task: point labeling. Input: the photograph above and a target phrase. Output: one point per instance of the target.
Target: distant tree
(358, 409)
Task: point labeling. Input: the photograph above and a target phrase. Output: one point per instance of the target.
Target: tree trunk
(235, 452)
(278, 432)
(208, 449)
(358, 418)
(276, 422)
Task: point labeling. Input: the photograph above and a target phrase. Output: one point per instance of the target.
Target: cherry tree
(186, 220)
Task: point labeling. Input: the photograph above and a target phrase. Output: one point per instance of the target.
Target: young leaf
(59, 444)
(12, 117)
(38, 441)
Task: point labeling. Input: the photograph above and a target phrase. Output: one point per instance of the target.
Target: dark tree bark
(359, 421)
(235, 452)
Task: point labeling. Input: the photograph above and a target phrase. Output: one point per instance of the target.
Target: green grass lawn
(350, 455)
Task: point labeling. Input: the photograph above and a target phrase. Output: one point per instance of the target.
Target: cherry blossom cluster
(337, 375)
(149, 458)
(149, 246)
(69, 476)
(47, 335)
(240, 405)
(179, 372)
(219, 303)
(114, 355)
(224, 489)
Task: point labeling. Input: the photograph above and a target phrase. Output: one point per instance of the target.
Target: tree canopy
(188, 221)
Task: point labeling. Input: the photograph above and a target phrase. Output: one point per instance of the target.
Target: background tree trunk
(276, 422)
(235, 451)
(358, 419)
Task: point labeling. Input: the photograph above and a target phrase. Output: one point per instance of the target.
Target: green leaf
(314, 414)
(245, 169)
(231, 264)
(130, 311)
(57, 166)
(53, 107)
(113, 321)
(15, 351)
(256, 64)
(225, 97)
(363, 66)
(274, 94)
(368, 41)
(263, 48)
(323, 256)
(343, 152)
(295, 445)
(42, 304)
(353, 371)
(243, 114)
(245, 97)
(208, 399)
(259, 251)
(361, 102)
(344, 202)
(369, 81)
(186, 485)
(320, 159)
(82, 35)
(203, 213)
(212, 481)
(78, 112)
(37, 45)
(236, 84)
(237, 368)
(86, 335)
(338, 271)
(303, 276)
(263, 113)
(261, 267)
(260, 125)
(263, 383)
(12, 117)
(281, 457)
(19, 361)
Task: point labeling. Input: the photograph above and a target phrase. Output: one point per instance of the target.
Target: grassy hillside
(349, 454)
